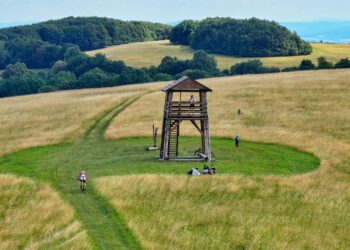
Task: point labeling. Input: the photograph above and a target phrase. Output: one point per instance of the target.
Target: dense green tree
(324, 64)
(77, 62)
(58, 66)
(307, 65)
(94, 78)
(252, 67)
(343, 63)
(290, 69)
(87, 37)
(51, 33)
(17, 69)
(172, 65)
(21, 85)
(202, 61)
(131, 75)
(5, 58)
(249, 67)
(34, 53)
(71, 53)
(250, 37)
(62, 80)
(181, 33)
(102, 62)
(162, 77)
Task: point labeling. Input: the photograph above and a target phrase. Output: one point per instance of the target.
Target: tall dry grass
(43, 119)
(307, 110)
(33, 216)
(226, 212)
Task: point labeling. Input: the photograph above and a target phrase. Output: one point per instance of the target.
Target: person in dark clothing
(237, 139)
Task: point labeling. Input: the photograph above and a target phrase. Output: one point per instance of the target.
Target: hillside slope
(305, 110)
(33, 216)
(43, 119)
(40, 45)
(150, 53)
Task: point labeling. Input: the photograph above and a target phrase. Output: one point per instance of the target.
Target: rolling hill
(150, 53)
(138, 202)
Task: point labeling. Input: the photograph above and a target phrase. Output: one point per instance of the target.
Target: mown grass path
(59, 166)
(104, 225)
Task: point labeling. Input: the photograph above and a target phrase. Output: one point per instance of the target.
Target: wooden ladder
(173, 149)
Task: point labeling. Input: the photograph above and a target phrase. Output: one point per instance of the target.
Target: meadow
(285, 188)
(33, 216)
(43, 119)
(148, 54)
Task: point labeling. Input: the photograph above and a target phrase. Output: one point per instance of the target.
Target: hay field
(146, 54)
(306, 110)
(43, 119)
(33, 216)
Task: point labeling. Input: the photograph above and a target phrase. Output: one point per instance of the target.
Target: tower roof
(185, 83)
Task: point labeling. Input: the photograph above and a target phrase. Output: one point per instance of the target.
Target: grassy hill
(33, 216)
(150, 53)
(137, 201)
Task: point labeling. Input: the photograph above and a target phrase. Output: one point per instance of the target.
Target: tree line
(257, 67)
(78, 70)
(246, 38)
(41, 45)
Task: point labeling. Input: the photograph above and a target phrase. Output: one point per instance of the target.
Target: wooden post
(205, 128)
(202, 123)
(166, 127)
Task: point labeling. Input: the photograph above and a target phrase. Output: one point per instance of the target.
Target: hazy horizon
(166, 11)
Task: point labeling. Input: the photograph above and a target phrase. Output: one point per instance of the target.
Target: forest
(41, 45)
(239, 37)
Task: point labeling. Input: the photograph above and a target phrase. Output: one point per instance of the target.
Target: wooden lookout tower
(177, 111)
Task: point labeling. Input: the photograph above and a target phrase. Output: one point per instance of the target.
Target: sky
(167, 11)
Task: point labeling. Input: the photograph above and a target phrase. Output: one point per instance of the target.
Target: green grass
(59, 165)
(146, 54)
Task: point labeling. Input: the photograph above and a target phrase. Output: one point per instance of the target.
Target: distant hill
(40, 45)
(13, 24)
(239, 37)
(327, 31)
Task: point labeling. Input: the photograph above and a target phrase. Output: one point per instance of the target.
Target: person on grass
(209, 170)
(194, 171)
(82, 178)
(237, 139)
(206, 169)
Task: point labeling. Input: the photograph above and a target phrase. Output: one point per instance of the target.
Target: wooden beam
(197, 127)
(203, 155)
